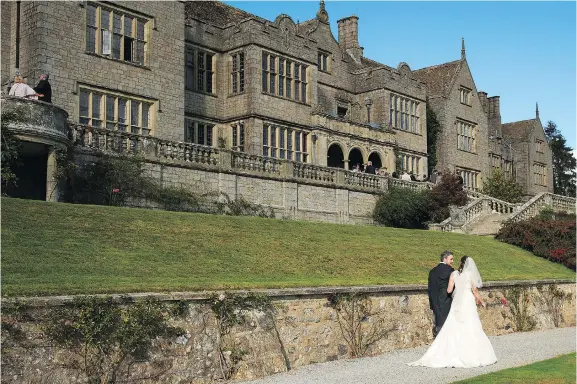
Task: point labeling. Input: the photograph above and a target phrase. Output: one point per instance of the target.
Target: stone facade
(305, 330)
(215, 75)
(453, 96)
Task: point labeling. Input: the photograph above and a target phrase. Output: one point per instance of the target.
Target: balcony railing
(37, 121)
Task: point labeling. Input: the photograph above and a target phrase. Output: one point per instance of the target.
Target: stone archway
(355, 157)
(335, 156)
(375, 158)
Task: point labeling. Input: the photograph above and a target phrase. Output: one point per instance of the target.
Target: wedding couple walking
(459, 338)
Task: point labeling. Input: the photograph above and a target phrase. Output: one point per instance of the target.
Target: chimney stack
(349, 37)
(494, 116)
(483, 100)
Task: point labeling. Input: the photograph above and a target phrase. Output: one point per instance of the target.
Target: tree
(499, 186)
(446, 193)
(433, 130)
(564, 163)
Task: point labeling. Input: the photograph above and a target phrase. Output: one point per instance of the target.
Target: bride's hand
(484, 304)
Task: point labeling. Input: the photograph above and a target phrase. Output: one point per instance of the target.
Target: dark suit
(45, 89)
(370, 169)
(439, 299)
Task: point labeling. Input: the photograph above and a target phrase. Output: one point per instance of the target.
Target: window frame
(286, 143)
(292, 77)
(470, 178)
(99, 29)
(465, 95)
(238, 72)
(324, 61)
(540, 174)
(238, 136)
(405, 113)
(410, 163)
(114, 123)
(207, 132)
(540, 146)
(200, 70)
(466, 136)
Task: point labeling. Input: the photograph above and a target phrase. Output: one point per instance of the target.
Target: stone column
(52, 191)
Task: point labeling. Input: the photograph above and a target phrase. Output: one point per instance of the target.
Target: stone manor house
(211, 74)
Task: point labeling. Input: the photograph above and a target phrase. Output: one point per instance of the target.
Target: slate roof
(216, 12)
(518, 129)
(438, 77)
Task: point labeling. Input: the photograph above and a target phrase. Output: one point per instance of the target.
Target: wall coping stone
(284, 293)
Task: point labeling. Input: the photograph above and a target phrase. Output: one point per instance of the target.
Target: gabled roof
(438, 77)
(365, 63)
(518, 129)
(216, 12)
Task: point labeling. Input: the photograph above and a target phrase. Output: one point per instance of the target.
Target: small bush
(403, 208)
(550, 237)
(448, 192)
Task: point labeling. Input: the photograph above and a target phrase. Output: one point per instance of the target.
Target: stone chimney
(494, 117)
(349, 37)
(483, 100)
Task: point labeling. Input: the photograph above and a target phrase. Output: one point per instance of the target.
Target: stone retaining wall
(304, 331)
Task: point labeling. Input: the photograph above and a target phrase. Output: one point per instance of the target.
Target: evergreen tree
(563, 161)
(433, 130)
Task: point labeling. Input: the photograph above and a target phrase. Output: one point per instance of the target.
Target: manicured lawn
(559, 370)
(56, 248)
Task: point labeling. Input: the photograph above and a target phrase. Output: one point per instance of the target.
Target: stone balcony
(37, 121)
(41, 128)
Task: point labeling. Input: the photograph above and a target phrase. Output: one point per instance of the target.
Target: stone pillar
(52, 191)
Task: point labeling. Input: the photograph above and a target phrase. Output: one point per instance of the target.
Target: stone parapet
(305, 329)
(36, 121)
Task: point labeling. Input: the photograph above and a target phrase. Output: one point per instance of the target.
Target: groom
(439, 299)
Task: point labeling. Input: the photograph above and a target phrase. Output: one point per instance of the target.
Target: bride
(461, 342)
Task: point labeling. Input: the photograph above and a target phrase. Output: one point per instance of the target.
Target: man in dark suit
(439, 299)
(43, 89)
(369, 168)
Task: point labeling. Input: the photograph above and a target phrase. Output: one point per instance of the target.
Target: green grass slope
(559, 370)
(56, 248)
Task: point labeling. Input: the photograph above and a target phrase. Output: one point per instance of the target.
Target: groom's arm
(430, 289)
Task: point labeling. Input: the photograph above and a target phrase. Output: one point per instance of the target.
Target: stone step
(488, 224)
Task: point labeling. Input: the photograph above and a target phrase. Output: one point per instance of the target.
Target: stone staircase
(488, 224)
(484, 215)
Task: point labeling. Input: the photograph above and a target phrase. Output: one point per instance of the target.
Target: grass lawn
(559, 370)
(57, 248)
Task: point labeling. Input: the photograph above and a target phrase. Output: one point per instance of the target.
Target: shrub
(111, 181)
(550, 237)
(9, 152)
(499, 186)
(108, 338)
(403, 208)
(448, 192)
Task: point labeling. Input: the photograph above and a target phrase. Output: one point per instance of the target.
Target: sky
(522, 51)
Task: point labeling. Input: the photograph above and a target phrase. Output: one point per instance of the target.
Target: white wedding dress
(461, 343)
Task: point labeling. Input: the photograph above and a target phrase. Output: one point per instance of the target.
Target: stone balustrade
(542, 200)
(314, 172)
(365, 180)
(245, 162)
(414, 185)
(187, 153)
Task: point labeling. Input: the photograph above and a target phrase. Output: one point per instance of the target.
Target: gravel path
(512, 350)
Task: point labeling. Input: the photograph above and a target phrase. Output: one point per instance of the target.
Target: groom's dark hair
(445, 254)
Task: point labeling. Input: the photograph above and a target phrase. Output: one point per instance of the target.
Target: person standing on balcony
(369, 168)
(20, 89)
(43, 89)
